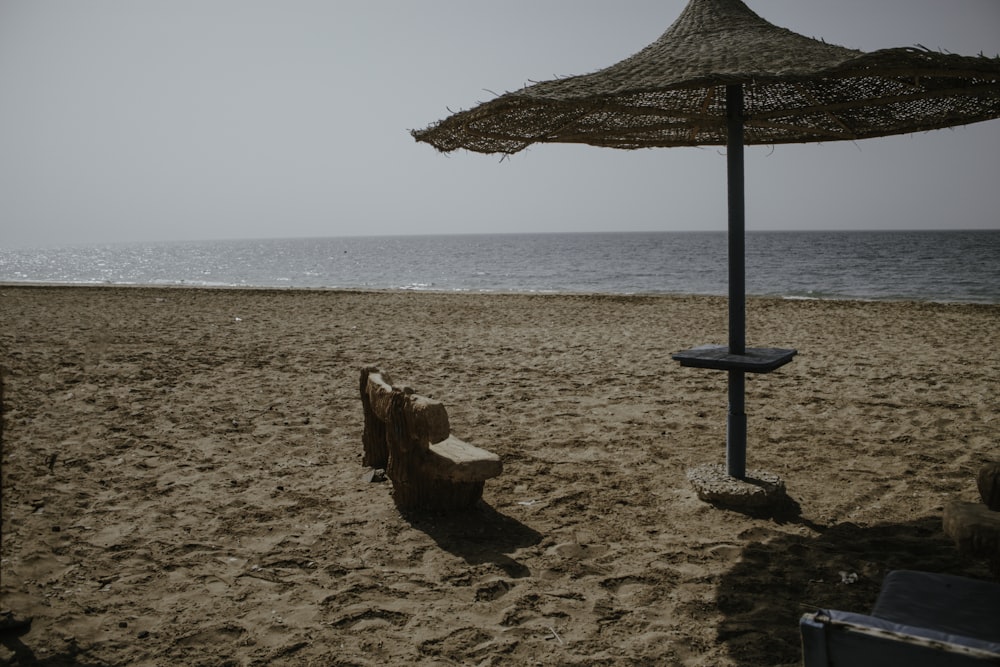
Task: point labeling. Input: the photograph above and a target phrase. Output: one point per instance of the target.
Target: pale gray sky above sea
(150, 120)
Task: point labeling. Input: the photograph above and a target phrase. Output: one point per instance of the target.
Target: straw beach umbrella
(722, 75)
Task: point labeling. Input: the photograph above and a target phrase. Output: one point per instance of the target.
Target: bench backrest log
(425, 420)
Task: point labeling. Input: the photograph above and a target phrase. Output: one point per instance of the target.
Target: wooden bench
(409, 436)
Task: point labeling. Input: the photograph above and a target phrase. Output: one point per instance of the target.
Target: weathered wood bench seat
(409, 436)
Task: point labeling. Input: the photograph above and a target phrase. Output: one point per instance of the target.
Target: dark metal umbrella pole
(736, 420)
(736, 358)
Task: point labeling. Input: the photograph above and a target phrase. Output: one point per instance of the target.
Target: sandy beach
(182, 478)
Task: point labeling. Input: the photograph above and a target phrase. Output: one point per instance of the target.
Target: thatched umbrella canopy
(722, 75)
(673, 92)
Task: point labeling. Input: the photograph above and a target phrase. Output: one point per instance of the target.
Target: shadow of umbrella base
(757, 489)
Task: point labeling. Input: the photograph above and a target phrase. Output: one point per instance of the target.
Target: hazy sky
(204, 119)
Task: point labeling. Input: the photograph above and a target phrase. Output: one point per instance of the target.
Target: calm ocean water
(958, 266)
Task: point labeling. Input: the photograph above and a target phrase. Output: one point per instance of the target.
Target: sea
(938, 266)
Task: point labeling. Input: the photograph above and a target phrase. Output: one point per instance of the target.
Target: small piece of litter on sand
(848, 577)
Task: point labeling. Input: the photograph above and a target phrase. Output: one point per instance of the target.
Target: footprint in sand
(492, 590)
(579, 551)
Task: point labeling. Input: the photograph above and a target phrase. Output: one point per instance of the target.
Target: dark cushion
(947, 603)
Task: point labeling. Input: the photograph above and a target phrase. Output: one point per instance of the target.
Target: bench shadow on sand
(479, 535)
(779, 578)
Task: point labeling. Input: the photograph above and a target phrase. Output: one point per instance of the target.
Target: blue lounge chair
(920, 620)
